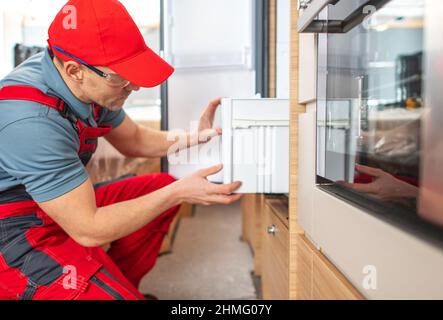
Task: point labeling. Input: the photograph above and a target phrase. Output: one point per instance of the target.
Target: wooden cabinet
(281, 256)
(317, 278)
(329, 283)
(252, 228)
(258, 233)
(248, 208)
(275, 254)
(304, 261)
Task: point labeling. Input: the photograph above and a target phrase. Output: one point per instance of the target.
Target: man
(53, 108)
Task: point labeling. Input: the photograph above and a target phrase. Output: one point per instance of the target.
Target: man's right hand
(196, 189)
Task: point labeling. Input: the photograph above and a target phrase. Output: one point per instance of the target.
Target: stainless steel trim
(360, 103)
(311, 12)
(308, 24)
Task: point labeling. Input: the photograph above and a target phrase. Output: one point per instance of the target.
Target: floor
(209, 261)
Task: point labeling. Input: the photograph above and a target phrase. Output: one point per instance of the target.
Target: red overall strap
(30, 94)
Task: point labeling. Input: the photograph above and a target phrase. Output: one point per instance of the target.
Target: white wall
(283, 47)
(2, 45)
(211, 31)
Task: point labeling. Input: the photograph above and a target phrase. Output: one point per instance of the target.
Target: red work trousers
(38, 260)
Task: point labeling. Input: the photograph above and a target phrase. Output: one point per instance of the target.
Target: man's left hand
(205, 130)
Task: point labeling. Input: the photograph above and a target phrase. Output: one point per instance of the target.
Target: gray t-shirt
(38, 147)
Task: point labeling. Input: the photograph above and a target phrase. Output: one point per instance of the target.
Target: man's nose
(132, 87)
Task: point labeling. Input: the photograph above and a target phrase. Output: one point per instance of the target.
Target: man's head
(101, 86)
(101, 53)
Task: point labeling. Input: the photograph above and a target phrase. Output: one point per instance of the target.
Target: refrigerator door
(255, 144)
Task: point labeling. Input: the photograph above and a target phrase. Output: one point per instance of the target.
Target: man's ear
(74, 71)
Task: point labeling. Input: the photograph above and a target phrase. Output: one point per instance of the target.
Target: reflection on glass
(371, 103)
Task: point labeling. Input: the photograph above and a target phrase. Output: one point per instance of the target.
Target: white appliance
(255, 144)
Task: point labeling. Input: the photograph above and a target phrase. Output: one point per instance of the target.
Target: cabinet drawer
(255, 144)
(329, 283)
(254, 147)
(275, 268)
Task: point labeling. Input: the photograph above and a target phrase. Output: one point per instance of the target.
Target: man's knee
(166, 178)
(162, 179)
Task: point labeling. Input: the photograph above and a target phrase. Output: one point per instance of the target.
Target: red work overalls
(38, 260)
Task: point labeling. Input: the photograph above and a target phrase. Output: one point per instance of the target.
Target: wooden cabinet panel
(247, 207)
(275, 277)
(255, 223)
(259, 233)
(304, 268)
(329, 283)
(315, 276)
(253, 226)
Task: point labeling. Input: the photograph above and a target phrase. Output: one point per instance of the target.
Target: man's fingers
(210, 171)
(368, 170)
(360, 187)
(225, 188)
(215, 103)
(207, 135)
(211, 108)
(225, 199)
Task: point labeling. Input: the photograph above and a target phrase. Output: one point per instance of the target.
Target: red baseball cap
(102, 33)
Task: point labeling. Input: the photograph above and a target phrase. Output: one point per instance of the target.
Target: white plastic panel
(256, 144)
(307, 67)
(280, 160)
(402, 266)
(306, 169)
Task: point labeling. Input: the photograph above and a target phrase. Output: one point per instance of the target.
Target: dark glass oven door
(370, 109)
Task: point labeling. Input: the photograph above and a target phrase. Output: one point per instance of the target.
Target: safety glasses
(113, 79)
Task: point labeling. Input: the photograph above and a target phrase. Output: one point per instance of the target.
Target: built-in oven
(380, 107)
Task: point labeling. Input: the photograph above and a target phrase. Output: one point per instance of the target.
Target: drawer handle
(272, 229)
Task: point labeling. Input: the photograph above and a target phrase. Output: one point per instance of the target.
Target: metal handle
(359, 103)
(272, 229)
